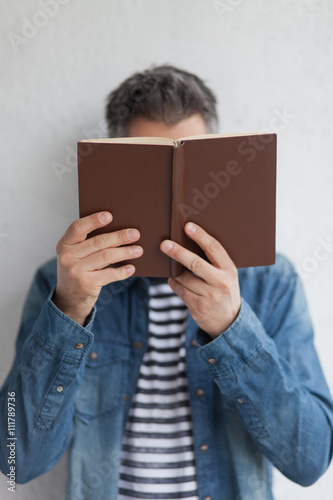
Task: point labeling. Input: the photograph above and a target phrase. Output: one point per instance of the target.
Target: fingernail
(137, 250)
(132, 233)
(192, 228)
(105, 217)
(167, 245)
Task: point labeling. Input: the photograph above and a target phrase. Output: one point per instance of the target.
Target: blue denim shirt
(264, 401)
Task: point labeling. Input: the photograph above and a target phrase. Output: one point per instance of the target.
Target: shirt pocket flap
(103, 353)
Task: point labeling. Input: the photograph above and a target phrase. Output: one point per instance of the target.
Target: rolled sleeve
(62, 336)
(244, 340)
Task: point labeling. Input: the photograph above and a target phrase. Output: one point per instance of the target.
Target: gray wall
(262, 58)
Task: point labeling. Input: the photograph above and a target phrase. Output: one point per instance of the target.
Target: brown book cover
(224, 183)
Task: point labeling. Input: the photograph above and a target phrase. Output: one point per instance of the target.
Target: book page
(162, 141)
(214, 136)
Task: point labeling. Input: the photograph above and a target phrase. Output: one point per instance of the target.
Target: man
(165, 388)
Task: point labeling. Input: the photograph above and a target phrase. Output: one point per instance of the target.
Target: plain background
(263, 59)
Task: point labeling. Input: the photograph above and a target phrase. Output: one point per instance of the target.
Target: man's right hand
(81, 263)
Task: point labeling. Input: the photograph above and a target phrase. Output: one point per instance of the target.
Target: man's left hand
(212, 293)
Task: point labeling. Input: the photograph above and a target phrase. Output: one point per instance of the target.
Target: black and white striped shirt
(157, 449)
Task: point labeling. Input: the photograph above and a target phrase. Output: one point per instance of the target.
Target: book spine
(178, 218)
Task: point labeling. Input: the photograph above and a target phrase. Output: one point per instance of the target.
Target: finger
(190, 282)
(183, 293)
(193, 262)
(215, 252)
(108, 256)
(106, 240)
(111, 274)
(80, 228)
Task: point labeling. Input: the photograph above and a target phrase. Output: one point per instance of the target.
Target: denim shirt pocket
(101, 390)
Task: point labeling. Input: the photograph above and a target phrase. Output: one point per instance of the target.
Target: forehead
(142, 127)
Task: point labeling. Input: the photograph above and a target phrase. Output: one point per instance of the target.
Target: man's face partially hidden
(142, 127)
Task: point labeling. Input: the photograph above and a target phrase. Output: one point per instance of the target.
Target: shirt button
(204, 447)
(138, 345)
(240, 401)
(208, 497)
(60, 388)
(199, 393)
(212, 361)
(126, 397)
(93, 355)
(193, 343)
(79, 345)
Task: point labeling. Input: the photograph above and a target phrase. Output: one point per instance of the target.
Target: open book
(224, 183)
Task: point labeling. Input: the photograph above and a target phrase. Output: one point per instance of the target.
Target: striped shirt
(157, 450)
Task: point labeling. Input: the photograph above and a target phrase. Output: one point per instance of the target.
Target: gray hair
(161, 93)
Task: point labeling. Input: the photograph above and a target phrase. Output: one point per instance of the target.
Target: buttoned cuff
(243, 341)
(61, 335)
